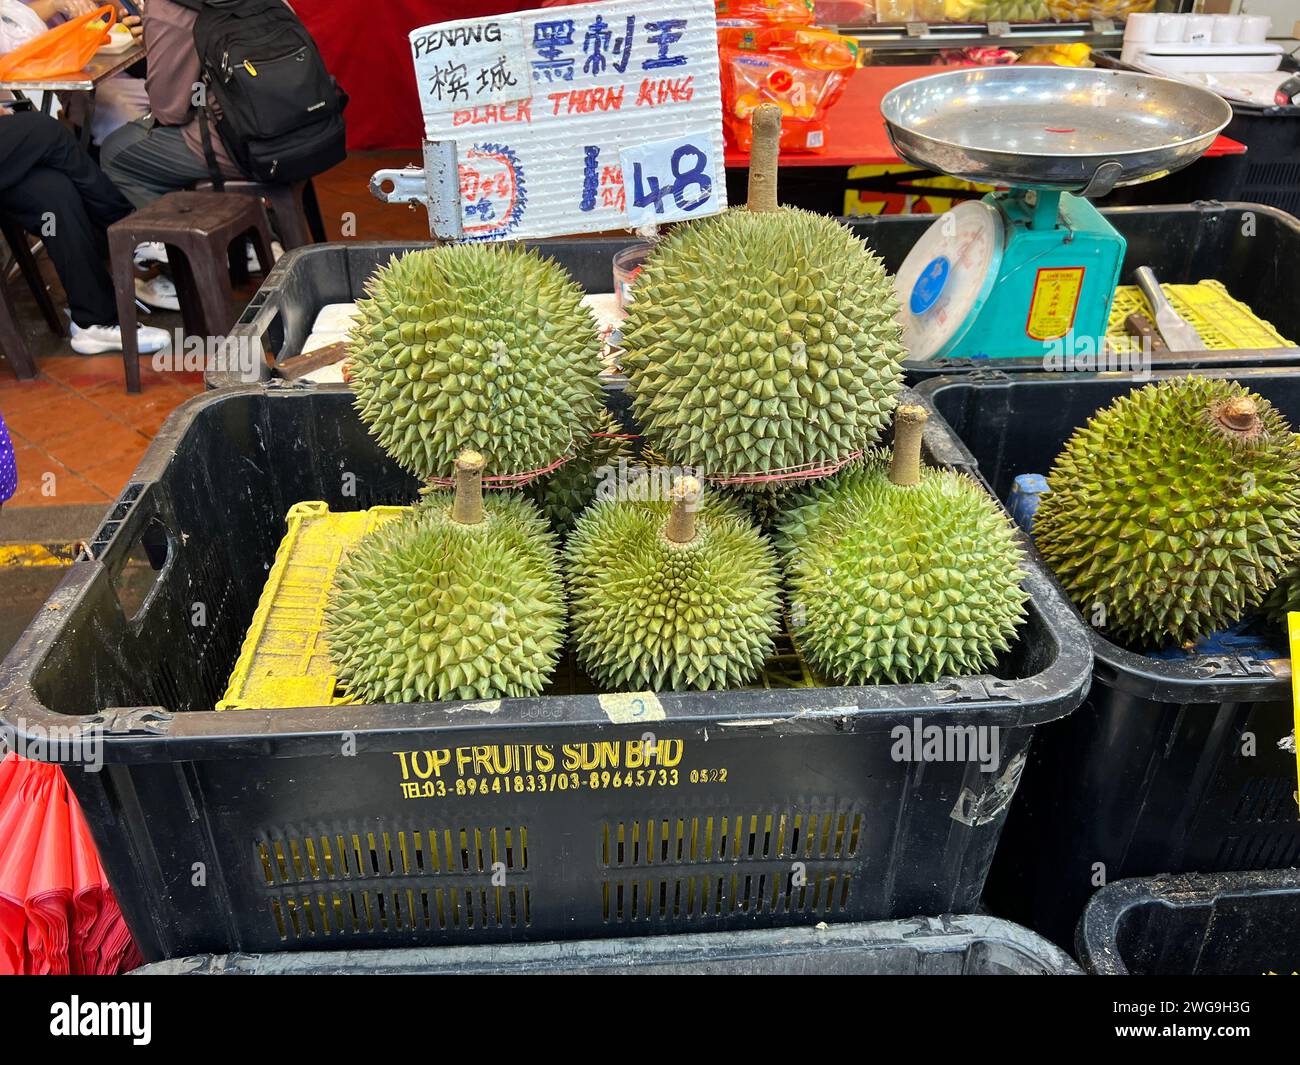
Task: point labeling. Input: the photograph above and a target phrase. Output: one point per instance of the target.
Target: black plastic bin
(967, 945)
(267, 830)
(1268, 172)
(1252, 250)
(1199, 924)
(1150, 775)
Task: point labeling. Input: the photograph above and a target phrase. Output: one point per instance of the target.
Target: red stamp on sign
(491, 192)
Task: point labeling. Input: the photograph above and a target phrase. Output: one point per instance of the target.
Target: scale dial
(947, 277)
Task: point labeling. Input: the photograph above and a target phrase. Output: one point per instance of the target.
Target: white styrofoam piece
(1222, 66)
(325, 375)
(546, 107)
(319, 339)
(335, 317)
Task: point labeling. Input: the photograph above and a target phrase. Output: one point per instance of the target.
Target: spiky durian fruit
(1284, 598)
(564, 494)
(763, 339)
(482, 346)
(458, 600)
(1173, 511)
(900, 574)
(671, 594)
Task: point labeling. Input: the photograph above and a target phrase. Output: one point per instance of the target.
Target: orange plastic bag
(64, 50)
(764, 12)
(802, 70)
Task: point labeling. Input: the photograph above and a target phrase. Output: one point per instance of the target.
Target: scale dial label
(1054, 303)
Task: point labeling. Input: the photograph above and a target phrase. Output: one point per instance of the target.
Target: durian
(1173, 511)
(671, 594)
(762, 339)
(457, 600)
(483, 346)
(564, 494)
(899, 573)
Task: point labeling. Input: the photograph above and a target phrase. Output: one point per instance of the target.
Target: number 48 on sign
(668, 180)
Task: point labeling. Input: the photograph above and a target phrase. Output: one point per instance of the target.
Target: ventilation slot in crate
(1266, 800)
(711, 897)
(729, 838)
(400, 911)
(324, 856)
(1264, 850)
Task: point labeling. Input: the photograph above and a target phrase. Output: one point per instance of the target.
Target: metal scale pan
(1047, 127)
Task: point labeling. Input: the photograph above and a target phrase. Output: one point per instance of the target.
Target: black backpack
(279, 112)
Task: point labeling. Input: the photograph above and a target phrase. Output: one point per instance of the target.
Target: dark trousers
(54, 190)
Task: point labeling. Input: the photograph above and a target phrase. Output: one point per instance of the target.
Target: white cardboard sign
(578, 118)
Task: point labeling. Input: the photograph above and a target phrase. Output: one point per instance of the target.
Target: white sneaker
(254, 267)
(159, 292)
(153, 251)
(97, 339)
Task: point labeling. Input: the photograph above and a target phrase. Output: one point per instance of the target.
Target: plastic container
(1202, 924)
(285, 661)
(1151, 775)
(379, 826)
(1251, 249)
(967, 945)
(1268, 173)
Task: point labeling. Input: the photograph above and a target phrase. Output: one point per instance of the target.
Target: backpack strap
(209, 153)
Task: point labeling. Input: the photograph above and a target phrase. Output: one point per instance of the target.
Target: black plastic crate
(1149, 776)
(1253, 256)
(767, 807)
(967, 945)
(1202, 924)
(1268, 173)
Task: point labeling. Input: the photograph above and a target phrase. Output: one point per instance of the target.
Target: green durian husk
(762, 341)
(427, 608)
(564, 494)
(1162, 526)
(482, 346)
(895, 585)
(651, 614)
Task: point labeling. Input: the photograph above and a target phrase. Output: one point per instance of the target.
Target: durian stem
(467, 504)
(1239, 415)
(764, 152)
(681, 519)
(905, 470)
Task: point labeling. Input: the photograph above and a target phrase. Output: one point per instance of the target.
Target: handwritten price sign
(577, 119)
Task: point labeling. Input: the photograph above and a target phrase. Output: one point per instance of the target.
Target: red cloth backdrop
(365, 48)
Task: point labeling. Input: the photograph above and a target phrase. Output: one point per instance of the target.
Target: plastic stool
(12, 341)
(198, 229)
(297, 213)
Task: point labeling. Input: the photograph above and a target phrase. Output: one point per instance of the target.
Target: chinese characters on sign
(577, 119)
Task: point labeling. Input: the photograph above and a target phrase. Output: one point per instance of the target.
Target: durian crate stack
(1171, 517)
(799, 487)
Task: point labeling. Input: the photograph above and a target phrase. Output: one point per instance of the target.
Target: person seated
(54, 190)
(163, 152)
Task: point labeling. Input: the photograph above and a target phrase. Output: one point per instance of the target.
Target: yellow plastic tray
(285, 660)
(1223, 322)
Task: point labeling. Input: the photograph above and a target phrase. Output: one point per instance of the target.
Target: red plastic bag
(64, 50)
(801, 70)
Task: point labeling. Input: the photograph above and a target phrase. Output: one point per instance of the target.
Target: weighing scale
(1026, 268)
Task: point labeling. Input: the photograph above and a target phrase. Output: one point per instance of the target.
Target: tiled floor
(78, 434)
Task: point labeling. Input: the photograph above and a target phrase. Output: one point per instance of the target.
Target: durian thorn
(764, 151)
(684, 494)
(467, 504)
(905, 469)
